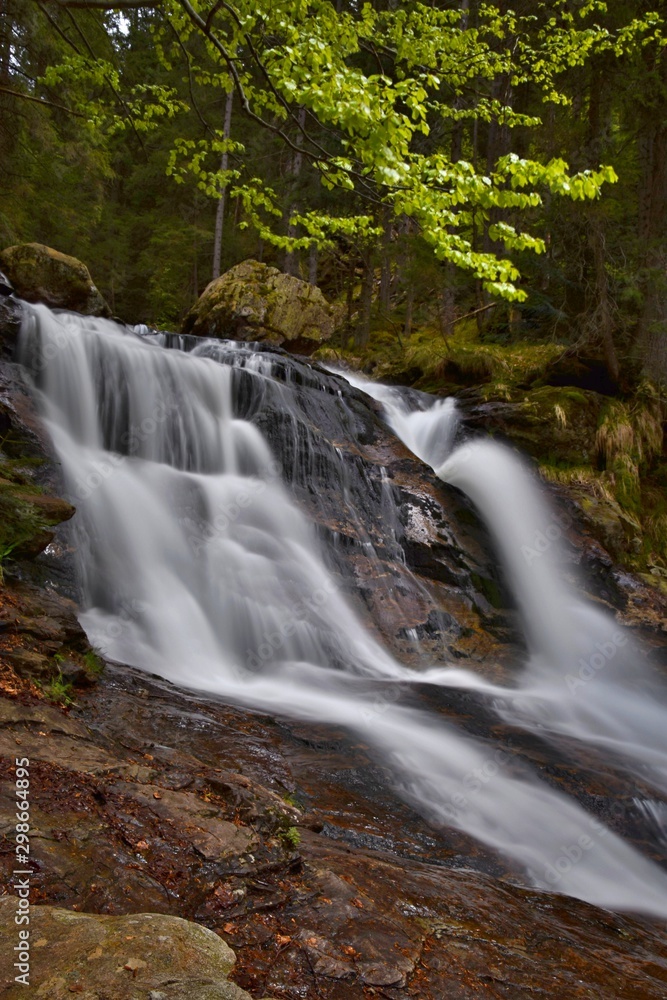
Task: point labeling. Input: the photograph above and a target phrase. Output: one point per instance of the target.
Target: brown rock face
(253, 301)
(42, 274)
(149, 804)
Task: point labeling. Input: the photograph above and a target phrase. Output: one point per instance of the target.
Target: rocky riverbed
(286, 840)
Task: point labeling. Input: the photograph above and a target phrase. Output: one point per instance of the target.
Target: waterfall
(585, 677)
(196, 564)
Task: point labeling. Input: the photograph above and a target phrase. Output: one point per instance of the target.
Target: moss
(93, 663)
(42, 274)
(290, 837)
(258, 300)
(490, 589)
(291, 800)
(26, 516)
(607, 452)
(21, 523)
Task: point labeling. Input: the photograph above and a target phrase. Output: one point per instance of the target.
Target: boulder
(550, 423)
(41, 274)
(253, 301)
(147, 955)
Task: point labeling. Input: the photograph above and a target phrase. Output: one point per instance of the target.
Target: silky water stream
(195, 563)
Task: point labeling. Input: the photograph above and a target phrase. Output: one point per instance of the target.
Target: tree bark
(220, 212)
(652, 326)
(312, 265)
(291, 265)
(364, 325)
(603, 315)
(602, 318)
(385, 272)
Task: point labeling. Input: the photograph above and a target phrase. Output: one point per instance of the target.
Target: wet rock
(119, 958)
(549, 421)
(10, 325)
(31, 487)
(405, 545)
(40, 632)
(210, 835)
(253, 301)
(370, 903)
(6, 287)
(27, 663)
(26, 517)
(42, 274)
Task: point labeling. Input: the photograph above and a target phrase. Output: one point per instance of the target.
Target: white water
(196, 565)
(585, 678)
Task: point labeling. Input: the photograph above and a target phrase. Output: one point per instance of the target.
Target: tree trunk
(220, 213)
(447, 304)
(6, 26)
(364, 325)
(409, 307)
(602, 320)
(603, 316)
(385, 272)
(291, 265)
(652, 326)
(312, 265)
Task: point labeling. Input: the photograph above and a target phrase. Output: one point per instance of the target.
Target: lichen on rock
(253, 301)
(120, 958)
(42, 274)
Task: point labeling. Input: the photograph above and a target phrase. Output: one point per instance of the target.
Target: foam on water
(195, 564)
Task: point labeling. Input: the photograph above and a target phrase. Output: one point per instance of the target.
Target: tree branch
(108, 4)
(40, 100)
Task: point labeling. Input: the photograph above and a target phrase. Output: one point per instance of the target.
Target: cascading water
(196, 564)
(585, 678)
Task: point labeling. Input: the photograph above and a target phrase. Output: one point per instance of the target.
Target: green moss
(291, 800)
(440, 364)
(93, 663)
(290, 837)
(21, 522)
(490, 590)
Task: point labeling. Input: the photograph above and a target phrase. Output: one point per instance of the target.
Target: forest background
(482, 188)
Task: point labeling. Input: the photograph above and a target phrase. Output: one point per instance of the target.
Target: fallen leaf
(357, 902)
(229, 928)
(141, 845)
(283, 939)
(157, 795)
(133, 964)
(148, 756)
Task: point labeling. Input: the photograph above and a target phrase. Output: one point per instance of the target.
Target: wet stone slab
(192, 813)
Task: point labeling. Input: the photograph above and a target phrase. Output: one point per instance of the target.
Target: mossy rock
(554, 425)
(253, 301)
(26, 517)
(143, 955)
(619, 533)
(42, 274)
